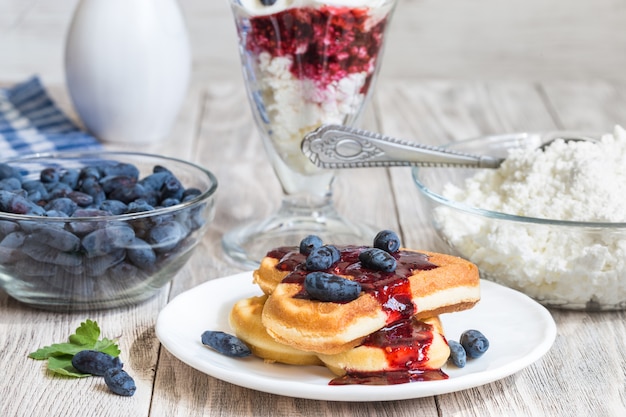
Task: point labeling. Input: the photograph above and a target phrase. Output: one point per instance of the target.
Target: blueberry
(169, 202)
(155, 181)
(58, 238)
(309, 243)
(458, 356)
(10, 184)
(109, 184)
(333, 288)
(387, 241)
(80, 198)
(88, 172)
(474, 343)
(268, 2)
(70, 177)
(166, 236)
(122, 169)
(50, 175)
(120, 382)
(113, 206)
(94, 362)
(129, 193)
(225, 343)
(17, 204)
(141, 254)
(58, 190)
(98, 265)
(334, 253)
(7, 171)
(103, 241)
(91, 186)
(378, 259)
(63, 204)
(320, 258)
(172, 188)
(190, 193)
(138, 206)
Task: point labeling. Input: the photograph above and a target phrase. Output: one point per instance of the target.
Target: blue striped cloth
(30, 122)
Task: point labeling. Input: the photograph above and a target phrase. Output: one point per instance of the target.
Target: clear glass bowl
(95, 260)
(563, 264)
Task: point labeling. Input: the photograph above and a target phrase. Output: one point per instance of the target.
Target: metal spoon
(336, 146)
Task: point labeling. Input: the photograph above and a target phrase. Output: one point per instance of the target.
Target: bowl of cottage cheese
(549, 222)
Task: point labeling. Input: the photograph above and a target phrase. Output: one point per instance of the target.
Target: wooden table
(583, 374)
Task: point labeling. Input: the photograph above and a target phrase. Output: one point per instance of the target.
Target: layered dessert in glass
(307, 63)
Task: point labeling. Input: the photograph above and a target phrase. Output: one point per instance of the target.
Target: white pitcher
(127, 67)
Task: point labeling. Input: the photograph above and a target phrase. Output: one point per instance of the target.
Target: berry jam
(406, 344)
(391, 289)
(325, 43)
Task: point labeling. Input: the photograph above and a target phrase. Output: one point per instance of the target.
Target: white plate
(520, 331)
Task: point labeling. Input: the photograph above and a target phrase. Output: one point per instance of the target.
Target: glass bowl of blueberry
(82, 231)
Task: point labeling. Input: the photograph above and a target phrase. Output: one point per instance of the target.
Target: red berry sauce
(391, 289)
(326, 43)
(406, 344)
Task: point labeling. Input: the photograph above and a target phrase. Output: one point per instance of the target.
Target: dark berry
(458, 356)
(268, 2)
(50, 175)
(333, 288)
(225, 343)
(113, 206)
(474, 343)
(120, 382)
(320, 259)
(309, 243)
(94, 362)
(387, 241)
(141, 254)
(64, 204)
(378, 259)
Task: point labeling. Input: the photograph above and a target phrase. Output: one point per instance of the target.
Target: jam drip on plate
(406, 344)
(391, 289)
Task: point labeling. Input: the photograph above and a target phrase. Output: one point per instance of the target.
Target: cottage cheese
(574, 181)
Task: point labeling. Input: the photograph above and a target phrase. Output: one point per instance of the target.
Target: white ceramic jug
(127, 67)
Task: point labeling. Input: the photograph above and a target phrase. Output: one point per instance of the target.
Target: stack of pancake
(391, 333)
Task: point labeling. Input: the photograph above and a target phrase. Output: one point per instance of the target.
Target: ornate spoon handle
(335, 146)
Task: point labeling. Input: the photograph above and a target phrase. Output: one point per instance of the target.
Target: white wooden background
(458, 39)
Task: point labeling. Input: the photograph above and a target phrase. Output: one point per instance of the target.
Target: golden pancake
(245, 320)
(424, 284)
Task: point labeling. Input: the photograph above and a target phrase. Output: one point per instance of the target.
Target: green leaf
(59, 355)
(107, 346)
(87, 334)
(63, 365)
(57, 349)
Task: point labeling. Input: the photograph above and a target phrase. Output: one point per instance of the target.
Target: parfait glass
(305, 63)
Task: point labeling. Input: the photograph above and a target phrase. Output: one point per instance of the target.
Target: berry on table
(120, 382)
(94, 362)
